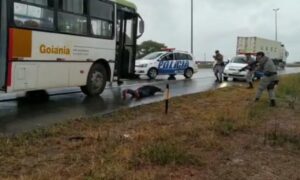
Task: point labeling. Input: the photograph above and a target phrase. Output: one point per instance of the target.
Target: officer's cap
(260, 53)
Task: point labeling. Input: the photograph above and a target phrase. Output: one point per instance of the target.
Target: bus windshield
(152, 56)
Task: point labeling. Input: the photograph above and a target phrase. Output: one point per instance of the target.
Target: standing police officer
(270, 78)
(219, 66)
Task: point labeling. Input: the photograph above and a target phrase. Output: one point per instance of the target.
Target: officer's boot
(273, 103)
(217, 78)
(250, 85)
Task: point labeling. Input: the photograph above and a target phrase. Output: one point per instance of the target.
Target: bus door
(126, 43)
(127, 26)
(3, 44)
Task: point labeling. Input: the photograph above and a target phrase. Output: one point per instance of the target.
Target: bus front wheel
(96, 81)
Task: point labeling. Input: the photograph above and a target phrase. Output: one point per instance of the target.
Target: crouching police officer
(270, 78)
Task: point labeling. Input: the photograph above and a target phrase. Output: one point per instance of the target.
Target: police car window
(189, 57)
(178, 56)
(168, 57)
(181, 56)
(153, 55)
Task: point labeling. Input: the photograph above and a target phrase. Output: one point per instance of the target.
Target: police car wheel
(188, 73)
(152, 73)
(96, 81)
(225, 78)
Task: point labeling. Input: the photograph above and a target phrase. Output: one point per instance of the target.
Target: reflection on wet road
(22, 115)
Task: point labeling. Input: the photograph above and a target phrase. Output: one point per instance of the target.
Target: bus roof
(126, 3)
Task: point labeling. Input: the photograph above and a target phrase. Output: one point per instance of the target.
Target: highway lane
(66, 104)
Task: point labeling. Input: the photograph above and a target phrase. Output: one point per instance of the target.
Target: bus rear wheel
(96, 81)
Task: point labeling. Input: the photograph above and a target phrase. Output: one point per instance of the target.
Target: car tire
(152, 73)
(96, 81)
(188, 73)
(225, 78)
(234, 79)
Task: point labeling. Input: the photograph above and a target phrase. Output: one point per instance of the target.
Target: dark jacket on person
(147, 91)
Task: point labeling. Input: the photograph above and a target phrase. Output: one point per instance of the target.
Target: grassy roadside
(212, 135)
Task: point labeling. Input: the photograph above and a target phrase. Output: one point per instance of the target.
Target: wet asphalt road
(18, 114)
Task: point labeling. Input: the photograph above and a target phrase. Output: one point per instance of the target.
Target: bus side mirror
(142, 27)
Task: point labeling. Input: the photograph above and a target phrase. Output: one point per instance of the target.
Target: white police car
(167, 62)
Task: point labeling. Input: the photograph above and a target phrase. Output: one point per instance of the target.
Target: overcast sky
(219, 22)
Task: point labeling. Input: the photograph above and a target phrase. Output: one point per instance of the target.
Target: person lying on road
(142, 92)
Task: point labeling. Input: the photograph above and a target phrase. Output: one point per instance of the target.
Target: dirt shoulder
(220, 134)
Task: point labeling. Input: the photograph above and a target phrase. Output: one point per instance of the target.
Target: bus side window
(31, 16)
(38, 2)
(72, 19)
(102, 18)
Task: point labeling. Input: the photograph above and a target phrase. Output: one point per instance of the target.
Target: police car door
(182, 62)
(166, 64)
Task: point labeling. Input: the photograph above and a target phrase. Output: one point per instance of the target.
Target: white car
(166, 63)
(232, 68)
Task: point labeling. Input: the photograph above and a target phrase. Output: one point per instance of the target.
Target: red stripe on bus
(10, 57)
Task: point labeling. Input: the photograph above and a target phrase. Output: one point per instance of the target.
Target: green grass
(281, 139)
(164, 153)
(225, 126)
(199, 139)
(289, 87)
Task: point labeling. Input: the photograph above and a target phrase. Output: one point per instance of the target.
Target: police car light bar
(168, 49)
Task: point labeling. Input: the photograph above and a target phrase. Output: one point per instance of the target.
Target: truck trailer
(273, 49)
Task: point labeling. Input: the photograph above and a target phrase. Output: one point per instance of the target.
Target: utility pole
(192, 26)
(276, 24)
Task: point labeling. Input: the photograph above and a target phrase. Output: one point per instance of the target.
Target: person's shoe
(273, 103)
(250, 86)
(120, 83)
(217, 80)
(256, 100)
(124, 95)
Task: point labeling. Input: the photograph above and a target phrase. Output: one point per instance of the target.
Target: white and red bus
(65, 43)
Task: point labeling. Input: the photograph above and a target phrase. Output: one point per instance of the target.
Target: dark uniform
(270, 78)
(219, 66)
